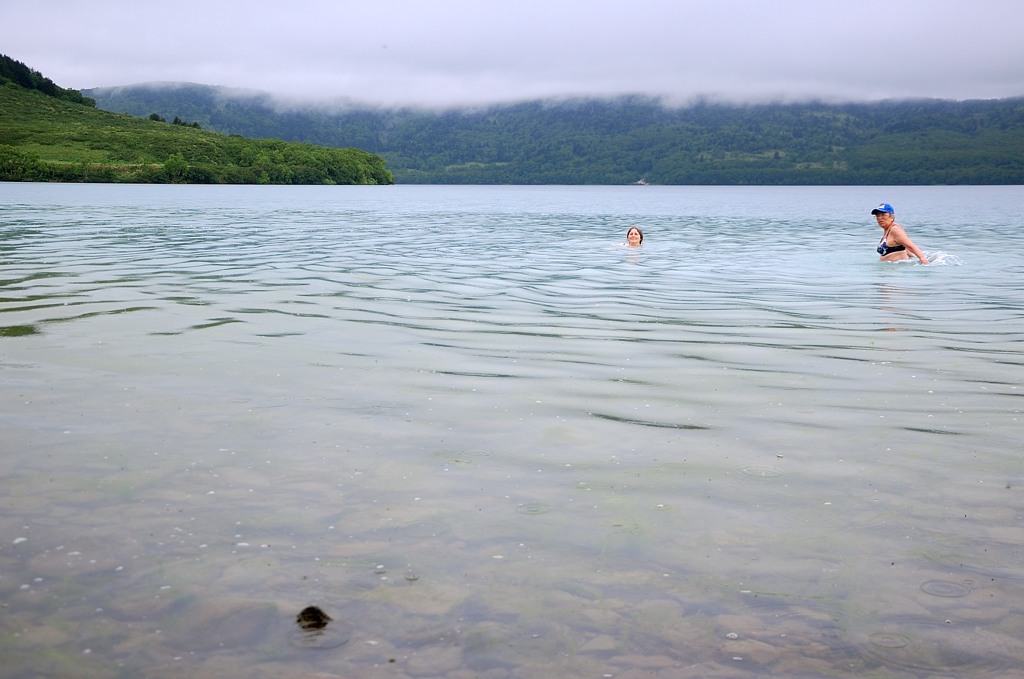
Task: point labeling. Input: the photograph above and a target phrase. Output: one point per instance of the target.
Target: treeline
(235, 161)
(21, 75)
(177, 121)
(623, 140)
(45, 137)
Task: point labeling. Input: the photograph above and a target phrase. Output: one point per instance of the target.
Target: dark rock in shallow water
(313, 632)
(311, 617)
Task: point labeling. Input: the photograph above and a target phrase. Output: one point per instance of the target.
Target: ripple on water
(463, 456)
(294, 583)
(533, 508)
(761, 471)
(889, 640)
(923, 645)
(945, 588)
(650, 423)
(991, 559)
(333, 635)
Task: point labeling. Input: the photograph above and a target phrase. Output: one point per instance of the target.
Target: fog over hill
(625, 139)
(457, 53)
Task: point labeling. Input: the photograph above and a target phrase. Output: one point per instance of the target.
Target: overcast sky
(465, 52)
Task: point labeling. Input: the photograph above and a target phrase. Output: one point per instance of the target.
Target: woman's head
(634, 236)
(884, 214)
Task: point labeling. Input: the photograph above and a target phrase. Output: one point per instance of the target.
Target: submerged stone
(311, 617)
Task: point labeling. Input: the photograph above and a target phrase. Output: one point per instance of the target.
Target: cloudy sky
(465, 52)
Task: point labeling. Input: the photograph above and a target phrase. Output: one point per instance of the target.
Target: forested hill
(628, 139)
(19, 74)
(48, 133)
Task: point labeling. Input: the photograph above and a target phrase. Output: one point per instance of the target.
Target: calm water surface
(489, 441)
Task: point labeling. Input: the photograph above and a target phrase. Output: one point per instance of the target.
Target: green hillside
(57, 135)
(618, 141)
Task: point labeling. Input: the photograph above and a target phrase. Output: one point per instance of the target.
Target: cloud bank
(458, 52)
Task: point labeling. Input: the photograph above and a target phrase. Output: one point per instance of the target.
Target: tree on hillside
(30, 79)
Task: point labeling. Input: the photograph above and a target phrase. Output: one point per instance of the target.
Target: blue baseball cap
(884, 207)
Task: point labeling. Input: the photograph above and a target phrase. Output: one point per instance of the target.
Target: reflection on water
(488, 441)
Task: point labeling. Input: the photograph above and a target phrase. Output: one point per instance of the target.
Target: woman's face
(884, 219)
(633, 236)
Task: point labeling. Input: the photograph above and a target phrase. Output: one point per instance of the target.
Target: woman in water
(895, 242)
(634, 237)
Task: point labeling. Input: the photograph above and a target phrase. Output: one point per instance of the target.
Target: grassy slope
(60, 133)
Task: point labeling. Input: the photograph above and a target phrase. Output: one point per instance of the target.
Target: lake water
(491, 442)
